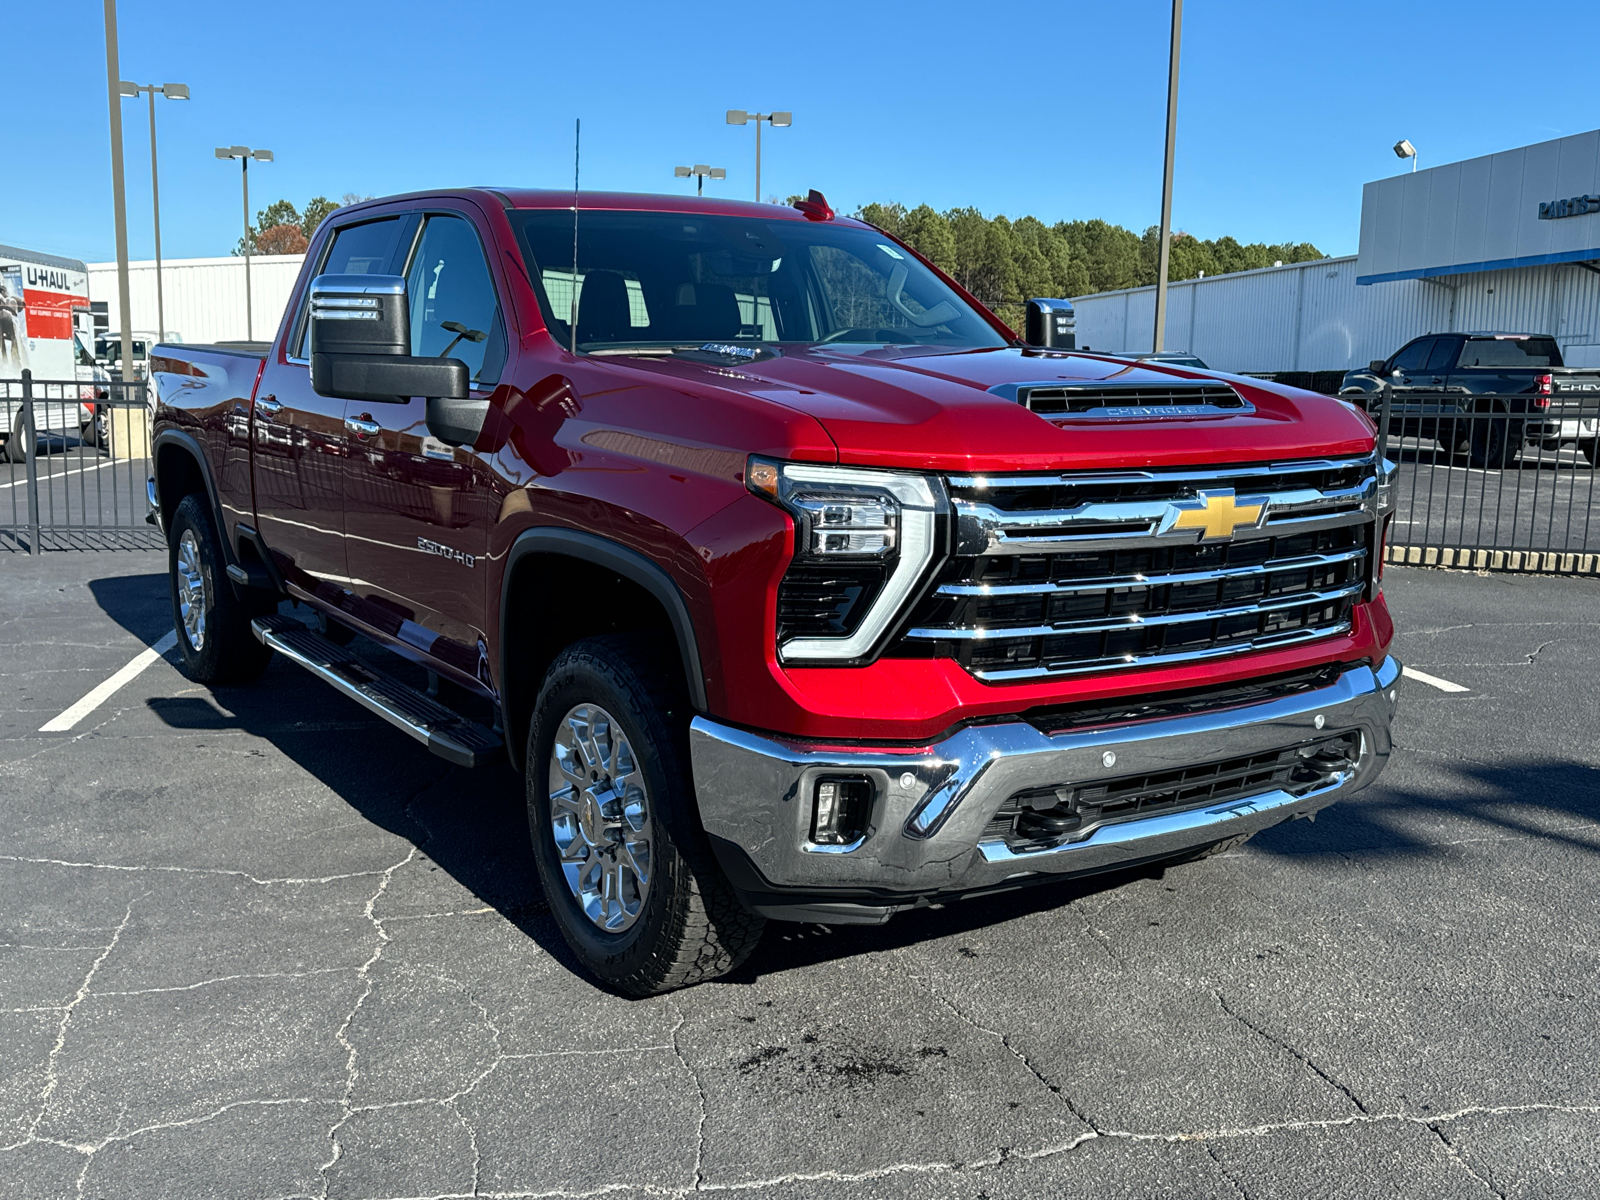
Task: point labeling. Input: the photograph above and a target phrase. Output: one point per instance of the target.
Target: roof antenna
(577, 134)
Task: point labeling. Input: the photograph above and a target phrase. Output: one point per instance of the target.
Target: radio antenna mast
(577, 134)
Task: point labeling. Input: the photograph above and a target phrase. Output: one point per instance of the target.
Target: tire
(1491, 447)
(93, 432)
(212, 624)
(610, 704)
(1591, 451)
(17, 444)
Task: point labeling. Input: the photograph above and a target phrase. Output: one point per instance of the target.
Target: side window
(1414, 355)
(364, 249)
(1443, 356)
(454, 311)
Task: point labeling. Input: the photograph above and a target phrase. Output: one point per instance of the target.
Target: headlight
(862, 540)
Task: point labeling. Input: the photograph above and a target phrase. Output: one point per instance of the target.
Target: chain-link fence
(1492, 481)
(76, 456)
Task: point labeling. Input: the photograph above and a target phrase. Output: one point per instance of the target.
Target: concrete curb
(1542, 562)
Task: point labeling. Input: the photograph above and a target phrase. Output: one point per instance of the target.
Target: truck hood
(909, 407)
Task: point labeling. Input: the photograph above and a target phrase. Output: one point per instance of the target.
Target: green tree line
(281, 228)
(1004, 262)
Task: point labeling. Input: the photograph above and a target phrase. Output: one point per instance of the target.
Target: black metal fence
(76, 455)
(1482, 481)
(1504, 481)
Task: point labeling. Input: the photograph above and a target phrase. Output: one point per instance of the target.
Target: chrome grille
(1064, 574)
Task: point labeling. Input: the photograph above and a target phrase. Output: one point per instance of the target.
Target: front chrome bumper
(932, 803)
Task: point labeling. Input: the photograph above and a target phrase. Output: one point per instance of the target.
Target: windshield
(677, 279)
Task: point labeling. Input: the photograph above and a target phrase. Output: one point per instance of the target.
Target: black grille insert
(1069, 812)
(825, 601)
(1107, 397)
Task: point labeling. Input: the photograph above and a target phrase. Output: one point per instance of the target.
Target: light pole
(244, 154)
(1404, 150)
(172, 91)
(1164, 256)
(778, 120)
(119, 201)
(701, 173)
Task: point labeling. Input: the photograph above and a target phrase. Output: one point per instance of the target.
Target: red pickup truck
(797, 585)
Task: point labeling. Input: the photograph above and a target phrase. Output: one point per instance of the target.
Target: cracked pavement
(255, 943)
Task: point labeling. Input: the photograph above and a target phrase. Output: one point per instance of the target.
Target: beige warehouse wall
(204, 297)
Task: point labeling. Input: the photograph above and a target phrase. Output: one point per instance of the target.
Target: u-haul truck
(44, 328)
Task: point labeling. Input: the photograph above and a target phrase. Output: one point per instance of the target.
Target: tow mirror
(361, 350)
(1050, 323)
(1376, 366)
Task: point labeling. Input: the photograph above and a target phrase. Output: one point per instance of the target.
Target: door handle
(362, 426)
(270, 405)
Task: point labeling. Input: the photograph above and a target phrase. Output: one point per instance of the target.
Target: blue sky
(1284, 109)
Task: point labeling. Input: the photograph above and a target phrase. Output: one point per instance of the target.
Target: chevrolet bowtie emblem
(1217, 515)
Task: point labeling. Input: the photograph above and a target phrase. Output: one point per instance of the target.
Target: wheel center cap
(595, 822)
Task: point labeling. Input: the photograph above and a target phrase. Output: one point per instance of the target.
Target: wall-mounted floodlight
(1404, 149)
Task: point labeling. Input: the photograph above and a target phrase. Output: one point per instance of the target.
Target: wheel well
(552, 601)
(177, 475)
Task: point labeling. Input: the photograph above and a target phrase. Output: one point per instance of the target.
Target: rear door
(300, 443)
(417, 510)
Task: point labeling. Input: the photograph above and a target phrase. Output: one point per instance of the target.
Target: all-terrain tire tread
(708, 933)
(231, 653)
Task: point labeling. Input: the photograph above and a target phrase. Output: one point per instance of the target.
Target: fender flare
(631, 565)
(190, 446)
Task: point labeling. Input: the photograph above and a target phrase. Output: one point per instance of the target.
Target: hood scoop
(1127, 399)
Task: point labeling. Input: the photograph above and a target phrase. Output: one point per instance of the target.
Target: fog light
(839, 814)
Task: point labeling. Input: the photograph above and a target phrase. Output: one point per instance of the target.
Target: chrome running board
(442, 730)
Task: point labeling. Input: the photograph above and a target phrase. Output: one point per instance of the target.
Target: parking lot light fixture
(172, 91)
(1403, 149)
(778, 120)
(700, 173)
(244, 154)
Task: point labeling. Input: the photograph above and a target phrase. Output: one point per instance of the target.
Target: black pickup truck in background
(1438, 379)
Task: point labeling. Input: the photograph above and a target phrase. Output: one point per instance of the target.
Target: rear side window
(1511, 352)
(365, 249)
(1414, 355)
(362, 249)
(1443, 356)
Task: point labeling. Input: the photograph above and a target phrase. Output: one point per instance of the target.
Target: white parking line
(1444, 685)
(99, 695)
(48, 476)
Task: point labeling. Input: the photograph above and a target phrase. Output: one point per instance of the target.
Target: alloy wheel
(600, 817)
(191, 590)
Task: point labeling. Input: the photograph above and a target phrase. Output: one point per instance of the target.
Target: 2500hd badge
(427, 547)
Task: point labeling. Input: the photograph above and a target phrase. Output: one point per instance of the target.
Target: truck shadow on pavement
(472, 824)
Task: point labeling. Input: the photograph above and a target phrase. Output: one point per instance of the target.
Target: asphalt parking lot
(256, 943)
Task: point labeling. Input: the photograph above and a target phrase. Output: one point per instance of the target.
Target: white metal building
(1510, 241)
(203, 297)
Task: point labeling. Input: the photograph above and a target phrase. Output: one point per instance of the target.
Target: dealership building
(1508, 242)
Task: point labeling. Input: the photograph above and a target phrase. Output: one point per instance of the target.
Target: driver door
(416, 509)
